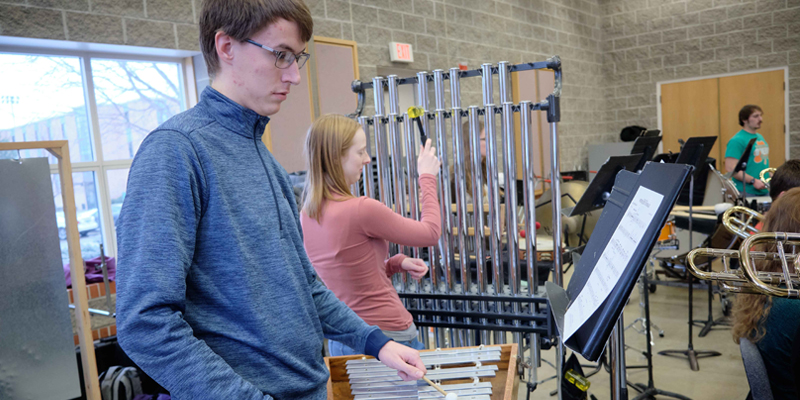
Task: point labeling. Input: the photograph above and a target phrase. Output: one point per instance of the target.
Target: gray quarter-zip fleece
(216, 298)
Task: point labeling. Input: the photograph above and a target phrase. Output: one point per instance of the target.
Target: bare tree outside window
(46, 98)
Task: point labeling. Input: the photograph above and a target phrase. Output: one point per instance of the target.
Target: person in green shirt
(750, 118)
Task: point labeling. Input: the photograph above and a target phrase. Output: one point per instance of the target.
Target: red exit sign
(401, 52)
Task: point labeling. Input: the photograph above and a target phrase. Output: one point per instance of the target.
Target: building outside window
(104, 106)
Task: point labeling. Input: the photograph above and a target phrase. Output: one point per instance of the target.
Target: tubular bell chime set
(464, 306)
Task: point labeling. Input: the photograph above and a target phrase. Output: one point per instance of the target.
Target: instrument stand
(648, 391)
(709, 324)
(644, 319)
(599, 189)
(690, 353)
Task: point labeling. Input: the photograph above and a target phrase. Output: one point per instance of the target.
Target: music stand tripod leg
(690, 352)
(648, 391)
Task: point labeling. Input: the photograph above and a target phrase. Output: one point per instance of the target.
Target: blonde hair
(327, 141)
(751, 310)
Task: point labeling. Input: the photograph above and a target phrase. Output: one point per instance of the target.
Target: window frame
(100, 166)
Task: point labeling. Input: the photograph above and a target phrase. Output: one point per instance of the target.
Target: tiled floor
(720, 377)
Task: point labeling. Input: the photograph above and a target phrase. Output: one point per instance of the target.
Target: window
(104, 107)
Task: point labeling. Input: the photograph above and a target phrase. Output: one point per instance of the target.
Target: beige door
(690, 109)
(764, 89)
(710, 107)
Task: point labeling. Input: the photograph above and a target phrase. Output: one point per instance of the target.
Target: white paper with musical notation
(614, 259)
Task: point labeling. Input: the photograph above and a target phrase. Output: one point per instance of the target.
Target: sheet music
(614, 259)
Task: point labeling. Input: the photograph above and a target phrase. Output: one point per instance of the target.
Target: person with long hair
(347, 237)
(772, 322)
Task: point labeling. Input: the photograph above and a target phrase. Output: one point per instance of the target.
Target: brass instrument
(741, 221)
(747, 279)
(763, 175)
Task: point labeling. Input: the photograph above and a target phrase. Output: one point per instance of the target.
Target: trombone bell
(747, 279)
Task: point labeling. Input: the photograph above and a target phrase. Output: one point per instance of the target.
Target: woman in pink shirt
(347, 237)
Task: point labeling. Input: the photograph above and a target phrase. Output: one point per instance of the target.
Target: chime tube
(366, 171)
(477, 210)
(383, 160)
(510, 175)
(413, 175)
(493, 191)
(398, 177)
(459, 166)
(444, 181)
(422, 101)
(381, 147)
(529, 197)
(444, 184)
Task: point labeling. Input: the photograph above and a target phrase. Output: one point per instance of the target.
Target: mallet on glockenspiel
(447, 396)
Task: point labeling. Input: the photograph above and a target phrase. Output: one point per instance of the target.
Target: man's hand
(759, 184)
(404, 359)
(415, 267)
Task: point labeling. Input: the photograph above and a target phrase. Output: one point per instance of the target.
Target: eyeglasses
(284, 59)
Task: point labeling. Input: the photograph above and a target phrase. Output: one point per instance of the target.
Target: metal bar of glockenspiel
(494, 190)
(445, 373)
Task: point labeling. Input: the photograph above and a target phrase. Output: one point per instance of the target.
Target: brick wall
(443, 33)
(162, 23)
(614, 51)
(647, 41)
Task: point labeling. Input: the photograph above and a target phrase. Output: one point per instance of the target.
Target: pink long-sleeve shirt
(349, 247)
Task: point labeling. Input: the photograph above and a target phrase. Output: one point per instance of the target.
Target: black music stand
(709, 323)
(599, 189)
(645, 145)
(694, 153)
(589, 339)
(741, 165)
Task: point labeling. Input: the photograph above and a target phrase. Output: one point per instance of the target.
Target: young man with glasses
(216, 296)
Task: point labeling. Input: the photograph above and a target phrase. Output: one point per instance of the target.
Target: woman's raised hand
(427, 162)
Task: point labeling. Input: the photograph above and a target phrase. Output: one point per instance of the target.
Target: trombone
(747, 279)
(741, 221)
(763, 175)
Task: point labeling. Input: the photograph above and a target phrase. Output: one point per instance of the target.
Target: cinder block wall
(647, 41)
(170, 24)
(614, 51)
(443, 33)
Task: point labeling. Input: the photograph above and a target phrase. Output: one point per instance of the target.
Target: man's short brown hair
(240, 19)
(746, 112)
